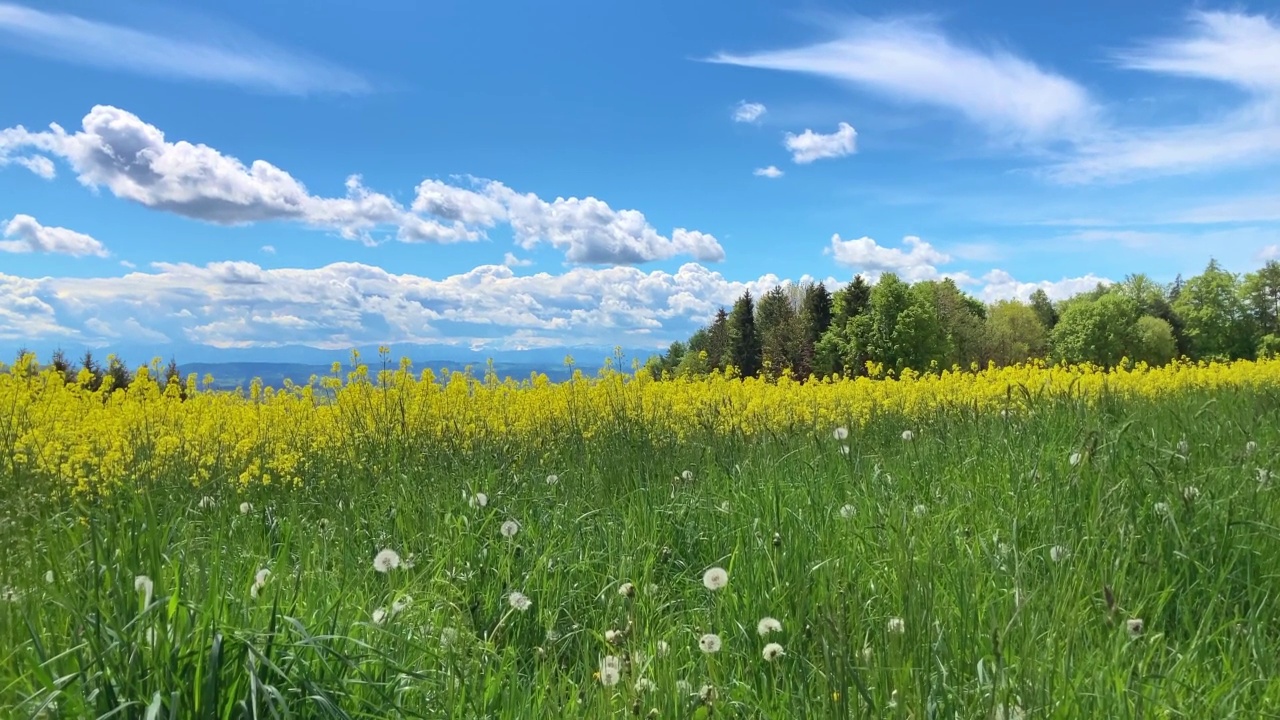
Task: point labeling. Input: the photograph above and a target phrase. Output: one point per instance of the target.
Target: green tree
(850, 301)
(1261, 291)
(744, 338)
(779, 328)
(1044, 309)
(1013, 334)
(717, 346)
(1216, 322)
(1154, 343)
(1153, 299)
(899, 330)
(958, 317)
(1100, 331)
(815, 319)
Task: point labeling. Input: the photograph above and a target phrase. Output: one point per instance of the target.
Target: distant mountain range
(237, 367)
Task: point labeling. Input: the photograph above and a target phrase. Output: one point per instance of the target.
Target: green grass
(951, 532)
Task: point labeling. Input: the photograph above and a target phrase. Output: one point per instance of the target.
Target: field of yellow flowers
(1026, 542)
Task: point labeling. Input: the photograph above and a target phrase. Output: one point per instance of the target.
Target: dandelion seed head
(1250, 447)
(772, 652)
(847, 511)
(261, 576)
(1183, 447)
(844, 449)
(143, 584)
(519, 601)
(401, 604)
(379, 616)
(448, 636)
(840, 433)
(724, 506)
(768, 625)
(908, 436)
(553, 479)
(386, 560)
(663, 648)
(207, 502)
(1190, 493)
(896, 626)
(920, 510)
(626, 589)
(686, 475)
(1058, 553)
(48, 577)
(478, 500)
(510, 528)
(1074, 459)
(709, 643)
(684, 687)
(715, 578)
(246, 508)
(612, 636)
(1134, 626)
(1161, 508)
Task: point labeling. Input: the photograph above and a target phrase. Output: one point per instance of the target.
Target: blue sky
(512, 176)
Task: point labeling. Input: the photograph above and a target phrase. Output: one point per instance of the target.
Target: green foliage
(1154, 343)
(1216, 321)
(1013, 333)
(1099, 331)
(1044, 309)
(1261, 291)
(781, 335)
(744, 337)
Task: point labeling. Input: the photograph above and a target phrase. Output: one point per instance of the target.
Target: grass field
(1087, 555)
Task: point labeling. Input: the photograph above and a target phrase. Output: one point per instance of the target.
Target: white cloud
(770, 172)
(38, 164)
(269, 249)
(117, 150)
(128, 265)
(240, 304)
(746, 112)
(809, 145)
(1270, 252)
(910, 60)
(27, 235)
(1000, 285)
(867, 257)
(1234, 49)
(511, 261)
(236, 58)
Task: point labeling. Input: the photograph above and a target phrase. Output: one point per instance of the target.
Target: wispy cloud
(809, 145)
(243, 60)
(1235, 49)
(911, 60)
(746, 112)
(770, 172)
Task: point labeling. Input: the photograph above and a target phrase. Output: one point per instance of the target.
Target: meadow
(1023, 542)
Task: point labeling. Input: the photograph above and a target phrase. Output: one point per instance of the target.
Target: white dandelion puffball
(663, 648)
(448, 636)
(709, 643)
(519, 601)
(1057, 553)
(1162, 508)
(246, 508)
(261, 576)
(627, 589)
(478, 500)
(840, 433)
(1250, 447)
(610, 670)
(1074, 459)
(612, 636)
(715, 578)
(920, 510)
(768, 625)
(510, 528)
(772, 652)
(401, 604)
(553, 479)
(386, 561)
(1190, 493)
(1183, 447)
(379, 616)
(1134, 626)
(847, 511)
(687, 475)
(48, 576)
(908, 435)
(896, 626)
(644, 685)
(724, 507)
(844, 449)
(143, 584)
(207, 502)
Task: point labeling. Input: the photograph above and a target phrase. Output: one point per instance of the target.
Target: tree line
(862, 329)
(93, 374)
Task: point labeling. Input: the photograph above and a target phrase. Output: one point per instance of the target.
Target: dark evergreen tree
(1044, 309)
(744, 338)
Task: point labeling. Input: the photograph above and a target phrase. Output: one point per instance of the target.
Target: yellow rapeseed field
(85, 441)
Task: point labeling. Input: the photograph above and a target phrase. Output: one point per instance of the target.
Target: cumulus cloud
(236, 58)
(26, 235)
(746, 112)
(770, 172)
(911, 60)
(117, 150)
(1000, 285)
(917, 262)
(809, 145)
